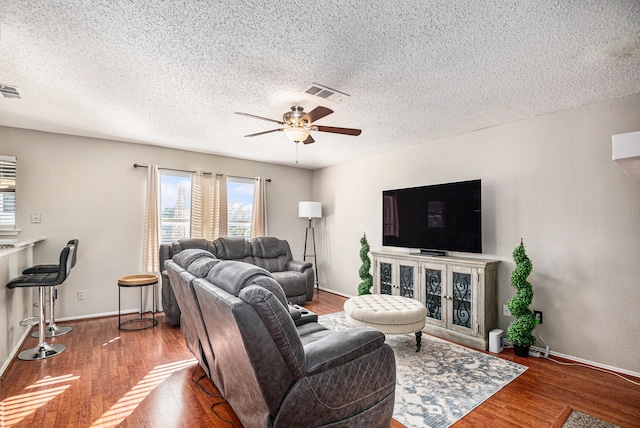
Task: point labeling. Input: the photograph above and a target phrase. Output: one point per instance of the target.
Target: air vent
(9, 91)
(326, 93)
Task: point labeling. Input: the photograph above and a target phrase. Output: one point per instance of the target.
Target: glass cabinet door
(386, 278)
(407, 287)
(461, 288)
(433, 293)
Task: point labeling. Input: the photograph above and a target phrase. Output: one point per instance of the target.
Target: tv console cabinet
(460, 294)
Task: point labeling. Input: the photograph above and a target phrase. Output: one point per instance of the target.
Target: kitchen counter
(19, 242)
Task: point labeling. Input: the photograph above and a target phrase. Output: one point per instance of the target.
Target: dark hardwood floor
(148, 378)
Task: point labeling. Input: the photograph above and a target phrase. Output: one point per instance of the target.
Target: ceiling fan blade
(334, 130)
(309, 140)
(263, 132)
(279, 122)
(317, 114)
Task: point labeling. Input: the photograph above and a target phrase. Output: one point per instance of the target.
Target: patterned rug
(441, 383)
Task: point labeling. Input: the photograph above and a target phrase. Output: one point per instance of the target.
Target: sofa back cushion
(271, 253)
(184, 244)
(186, 257)
(200, 267)
(233, 248)
(232, 276)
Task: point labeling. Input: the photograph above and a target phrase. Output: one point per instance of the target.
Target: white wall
(88, 189)
(550, 180)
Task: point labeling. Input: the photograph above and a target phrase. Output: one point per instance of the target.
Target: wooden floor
(109, 378)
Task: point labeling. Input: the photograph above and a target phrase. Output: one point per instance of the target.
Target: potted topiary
(365, 276)
(520, 330)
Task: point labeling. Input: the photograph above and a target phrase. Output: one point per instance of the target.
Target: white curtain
(219, 199)
(259, 224)
(151, 244)
(151, 221)
(208, 206)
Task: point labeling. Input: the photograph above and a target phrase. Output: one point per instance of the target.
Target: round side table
(139, 281)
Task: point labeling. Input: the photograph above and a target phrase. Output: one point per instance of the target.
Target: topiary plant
(365, 276)
(520, 330)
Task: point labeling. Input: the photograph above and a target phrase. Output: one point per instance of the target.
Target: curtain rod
(137, 165)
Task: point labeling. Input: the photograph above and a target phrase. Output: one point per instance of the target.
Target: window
(7, 193)
(239, 206)
(175, 206)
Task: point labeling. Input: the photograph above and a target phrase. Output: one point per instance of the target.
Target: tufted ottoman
(389, 314)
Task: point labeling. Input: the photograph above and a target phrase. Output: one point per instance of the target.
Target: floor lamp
(310, 210)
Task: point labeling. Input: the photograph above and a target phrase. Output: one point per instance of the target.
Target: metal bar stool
(52, 329)
(44, 280)
(139, 281)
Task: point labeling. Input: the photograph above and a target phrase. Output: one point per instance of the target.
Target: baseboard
(14, 352)
(348, 296)
(101, 315)
(573, 359)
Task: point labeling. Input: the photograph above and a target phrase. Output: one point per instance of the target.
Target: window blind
(7, 192)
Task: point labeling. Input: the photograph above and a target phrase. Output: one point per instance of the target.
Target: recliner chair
(273, 372)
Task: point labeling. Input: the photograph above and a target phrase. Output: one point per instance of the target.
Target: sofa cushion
(183, 244)
(201, 266)
(233, 248)
(279, 323)
(290, 281)
(185, 257)
(233, 276)
(271, 253)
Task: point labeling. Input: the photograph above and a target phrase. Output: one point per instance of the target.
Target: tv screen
(437, 217)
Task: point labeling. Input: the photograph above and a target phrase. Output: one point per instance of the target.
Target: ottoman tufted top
(390, 314)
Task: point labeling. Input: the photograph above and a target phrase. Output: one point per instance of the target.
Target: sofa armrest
(298, 266)
(341, 347)
(294, 312)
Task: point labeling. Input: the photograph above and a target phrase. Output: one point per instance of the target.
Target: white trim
(14, 351)
(573, 359)
(328, 290)
(102, 315)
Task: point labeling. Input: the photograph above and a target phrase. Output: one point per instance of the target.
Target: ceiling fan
(297, 124)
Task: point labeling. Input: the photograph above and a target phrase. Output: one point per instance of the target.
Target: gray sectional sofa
(273, 254)
(275, 367)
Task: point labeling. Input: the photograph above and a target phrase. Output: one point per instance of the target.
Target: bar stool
(52, 329)
(138, 281)
(42, 281)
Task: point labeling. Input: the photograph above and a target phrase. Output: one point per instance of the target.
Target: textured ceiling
(171, 73)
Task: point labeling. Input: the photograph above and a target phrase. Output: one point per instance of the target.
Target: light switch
(35, 218)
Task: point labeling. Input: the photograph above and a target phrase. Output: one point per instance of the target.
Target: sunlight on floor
(18, 407)
(127, 404)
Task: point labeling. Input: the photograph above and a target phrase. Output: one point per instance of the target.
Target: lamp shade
(309, 209)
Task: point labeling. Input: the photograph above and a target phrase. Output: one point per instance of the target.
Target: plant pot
(521, 351)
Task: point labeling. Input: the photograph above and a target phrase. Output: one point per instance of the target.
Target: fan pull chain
(297, 142)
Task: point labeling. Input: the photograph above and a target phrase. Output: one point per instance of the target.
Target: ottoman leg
(418, 340)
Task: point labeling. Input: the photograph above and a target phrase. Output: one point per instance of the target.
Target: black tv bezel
(431, 250)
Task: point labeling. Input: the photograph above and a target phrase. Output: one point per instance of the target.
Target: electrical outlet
(538, 315)
(505, 310)
(81, 295)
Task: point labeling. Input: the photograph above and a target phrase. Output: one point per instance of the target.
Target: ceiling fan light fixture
(296, 134)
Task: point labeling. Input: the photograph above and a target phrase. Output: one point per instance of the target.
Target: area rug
(582, 420)
(442, 382)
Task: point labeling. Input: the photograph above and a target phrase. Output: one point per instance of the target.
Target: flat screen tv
(441, 217)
